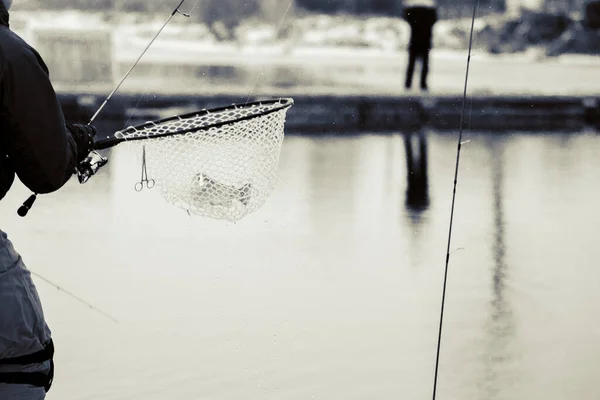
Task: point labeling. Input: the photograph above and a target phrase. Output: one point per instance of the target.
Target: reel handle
(88, 167)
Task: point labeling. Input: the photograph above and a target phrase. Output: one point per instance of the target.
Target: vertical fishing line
(437, 358)
(278, 27)
(175, 11)
(137, 104)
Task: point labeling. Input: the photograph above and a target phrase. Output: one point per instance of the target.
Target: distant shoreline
(386, 34)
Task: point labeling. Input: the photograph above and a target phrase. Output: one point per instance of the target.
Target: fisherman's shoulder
(13, 46)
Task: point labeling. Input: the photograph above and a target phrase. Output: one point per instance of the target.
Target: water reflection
(417, 189)
(500, 326)
(333, 177)
(351, 184)
(416, 195)
(325, 275)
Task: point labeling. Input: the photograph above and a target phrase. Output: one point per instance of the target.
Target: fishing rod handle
(107, 143)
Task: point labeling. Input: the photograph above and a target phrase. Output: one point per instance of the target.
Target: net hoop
(219, 163)
(275, 106)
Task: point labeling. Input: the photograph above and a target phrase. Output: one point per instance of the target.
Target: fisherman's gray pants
(23, 330)
(21, 392)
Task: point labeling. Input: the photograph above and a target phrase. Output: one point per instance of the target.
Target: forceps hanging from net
(149, 182)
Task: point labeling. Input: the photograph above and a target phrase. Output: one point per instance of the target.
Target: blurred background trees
(507, 25)
(234, 10)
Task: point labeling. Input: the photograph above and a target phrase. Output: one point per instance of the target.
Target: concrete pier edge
(350, 113)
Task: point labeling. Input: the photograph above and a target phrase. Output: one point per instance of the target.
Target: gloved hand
(84, 136)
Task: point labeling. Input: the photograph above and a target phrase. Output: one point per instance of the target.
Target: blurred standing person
(38, 147)
(421, 15)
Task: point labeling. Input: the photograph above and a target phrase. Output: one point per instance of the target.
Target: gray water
(332, 290)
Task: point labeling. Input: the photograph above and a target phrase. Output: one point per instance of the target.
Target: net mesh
(221, 164)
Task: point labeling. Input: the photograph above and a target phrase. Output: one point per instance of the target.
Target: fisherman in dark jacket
(42, 150)
(421, 15)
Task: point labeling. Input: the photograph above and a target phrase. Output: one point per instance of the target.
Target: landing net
(220, 163)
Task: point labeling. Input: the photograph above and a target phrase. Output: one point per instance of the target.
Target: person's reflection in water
(417, 188)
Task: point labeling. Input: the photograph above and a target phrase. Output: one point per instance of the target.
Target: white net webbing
(223, 172)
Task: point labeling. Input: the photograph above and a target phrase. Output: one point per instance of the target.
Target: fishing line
(74, 296)
(439, 340)
(278, 27)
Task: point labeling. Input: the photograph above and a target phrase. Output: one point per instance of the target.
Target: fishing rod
(459, 145)
(94, 161)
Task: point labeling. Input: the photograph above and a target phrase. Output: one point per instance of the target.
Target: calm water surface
(332, 290)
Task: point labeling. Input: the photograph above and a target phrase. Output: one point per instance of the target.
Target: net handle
(113, 141)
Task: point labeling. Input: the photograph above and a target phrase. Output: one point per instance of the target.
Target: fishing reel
(88, 167)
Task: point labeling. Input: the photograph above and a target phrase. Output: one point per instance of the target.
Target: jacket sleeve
(35, 138)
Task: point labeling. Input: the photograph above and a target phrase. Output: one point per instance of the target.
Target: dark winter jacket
(35, 143)
(421, 20)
